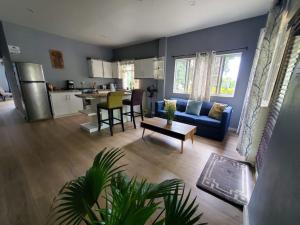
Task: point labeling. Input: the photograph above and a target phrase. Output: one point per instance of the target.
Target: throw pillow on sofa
(170, 102)
(193, 107)
(216, 111)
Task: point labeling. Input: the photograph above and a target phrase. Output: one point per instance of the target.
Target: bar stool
(136, 99)
(114, 101)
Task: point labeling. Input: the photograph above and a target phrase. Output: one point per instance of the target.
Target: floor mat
(227, 179)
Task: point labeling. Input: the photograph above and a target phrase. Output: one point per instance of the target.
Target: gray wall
(138, 51)
(276, 196)
(35, 47)
(229, 36)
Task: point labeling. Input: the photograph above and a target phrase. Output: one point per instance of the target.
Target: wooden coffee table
(176, 130)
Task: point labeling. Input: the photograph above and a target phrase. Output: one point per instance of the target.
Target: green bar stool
(114, 101)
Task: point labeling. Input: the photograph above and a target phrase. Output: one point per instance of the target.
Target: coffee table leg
(181, 147)
(192, 137)
(143, 133)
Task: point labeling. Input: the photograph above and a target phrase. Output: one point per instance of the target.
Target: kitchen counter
(90, 110)
(97, 94)
(63, 91)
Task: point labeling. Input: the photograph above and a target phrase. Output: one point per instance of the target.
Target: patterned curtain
(202, 76)
(255, 116)
(251, 78)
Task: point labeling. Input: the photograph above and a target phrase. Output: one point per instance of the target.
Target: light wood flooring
(36, 159)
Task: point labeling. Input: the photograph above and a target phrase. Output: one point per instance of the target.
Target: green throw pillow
(193, 107)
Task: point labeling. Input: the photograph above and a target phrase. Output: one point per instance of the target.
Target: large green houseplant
(124, 201)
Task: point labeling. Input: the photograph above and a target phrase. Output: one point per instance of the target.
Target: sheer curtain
(202, 76)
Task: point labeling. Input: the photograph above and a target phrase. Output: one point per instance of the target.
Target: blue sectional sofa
(206, 126)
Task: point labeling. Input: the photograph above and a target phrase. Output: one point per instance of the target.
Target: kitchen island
(90, 110)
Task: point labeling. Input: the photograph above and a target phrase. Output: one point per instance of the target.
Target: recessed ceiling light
(191, 2)
(103, 36)
(30, 10)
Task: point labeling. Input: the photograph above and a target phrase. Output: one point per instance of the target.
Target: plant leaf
(76, 199)
(179, 211)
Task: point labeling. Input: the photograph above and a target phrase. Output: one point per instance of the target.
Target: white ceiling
(122, 22)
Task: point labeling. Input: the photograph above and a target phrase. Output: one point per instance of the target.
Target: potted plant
(170, 112)
(125, 201)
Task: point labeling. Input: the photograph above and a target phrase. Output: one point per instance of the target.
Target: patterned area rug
(227, 179)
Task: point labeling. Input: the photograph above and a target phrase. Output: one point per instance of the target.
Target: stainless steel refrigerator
(33, 89)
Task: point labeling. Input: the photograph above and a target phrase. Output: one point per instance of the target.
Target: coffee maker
(70, 84)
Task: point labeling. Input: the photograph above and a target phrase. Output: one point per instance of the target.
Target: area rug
(227, 179)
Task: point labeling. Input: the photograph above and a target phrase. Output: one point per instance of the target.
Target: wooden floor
(36, 159)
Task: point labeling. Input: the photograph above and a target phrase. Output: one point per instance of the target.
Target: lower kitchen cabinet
(65, 103)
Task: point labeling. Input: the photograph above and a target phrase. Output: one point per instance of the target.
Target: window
(183, 75)
(127, 74)
(224, 74)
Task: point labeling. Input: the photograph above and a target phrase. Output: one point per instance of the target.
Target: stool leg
(131, 113)
(132, 116)
(99, 118)
(122, 122)
(142, 114)
(110, 115)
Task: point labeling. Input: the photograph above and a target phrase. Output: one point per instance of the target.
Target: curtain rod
(221, 51)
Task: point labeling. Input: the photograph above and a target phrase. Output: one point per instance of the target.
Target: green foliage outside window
(183, 75)
(225, 73)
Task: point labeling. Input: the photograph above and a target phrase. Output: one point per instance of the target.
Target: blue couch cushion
(184, 117)
(207, 121)
(205, 108)
(193, 107)
(161, 113)
(180, 104)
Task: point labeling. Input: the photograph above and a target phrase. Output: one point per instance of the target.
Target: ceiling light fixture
(30, 10)
(191, 2)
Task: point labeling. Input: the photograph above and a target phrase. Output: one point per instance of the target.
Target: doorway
(5, 92)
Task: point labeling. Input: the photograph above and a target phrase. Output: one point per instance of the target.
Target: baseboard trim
(245, 215)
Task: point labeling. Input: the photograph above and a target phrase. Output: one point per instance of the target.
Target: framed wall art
(57, 59)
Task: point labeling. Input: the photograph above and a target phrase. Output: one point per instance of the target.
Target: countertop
(62, 91)
(97, 95)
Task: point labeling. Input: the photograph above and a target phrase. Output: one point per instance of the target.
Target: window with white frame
(224, 74)
(183, 75)
(127, 74)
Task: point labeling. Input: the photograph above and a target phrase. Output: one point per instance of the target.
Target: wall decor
(57, 59)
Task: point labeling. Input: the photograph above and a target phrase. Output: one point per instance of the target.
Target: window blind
(288, 64)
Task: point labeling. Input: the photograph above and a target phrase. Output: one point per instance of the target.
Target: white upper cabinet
(149, 68)
(144, 68)
(107, 69)
(116, 70)
(138, 71)
(95, 67)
